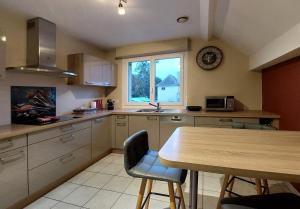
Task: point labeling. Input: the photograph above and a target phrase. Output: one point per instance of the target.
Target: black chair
(140, 162)
(270, 201)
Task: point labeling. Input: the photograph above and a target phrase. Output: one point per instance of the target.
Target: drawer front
(121, 118)
(13, 177)
(121, 133)
(12, 143)
(56, 169)
(45, 151)
(221, 121)
(55, 132)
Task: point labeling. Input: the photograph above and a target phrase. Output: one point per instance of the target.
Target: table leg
(191, 186)
(194, 190)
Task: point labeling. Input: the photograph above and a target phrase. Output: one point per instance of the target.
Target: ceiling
(246, 24)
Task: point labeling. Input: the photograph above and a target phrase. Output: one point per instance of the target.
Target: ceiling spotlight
(182, 19)
(121, 9)
(3, 38)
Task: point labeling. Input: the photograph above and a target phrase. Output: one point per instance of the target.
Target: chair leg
(266, 185)
(141, 194)
(231, 187)
(223, 190)
(179, 189)
(172, 195)
(258, 186)
(149, 188)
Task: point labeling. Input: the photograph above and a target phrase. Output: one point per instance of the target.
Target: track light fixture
(121, 9)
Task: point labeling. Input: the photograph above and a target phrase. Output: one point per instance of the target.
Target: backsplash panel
(67, 97)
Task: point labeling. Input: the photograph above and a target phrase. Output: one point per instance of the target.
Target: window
(154, 79)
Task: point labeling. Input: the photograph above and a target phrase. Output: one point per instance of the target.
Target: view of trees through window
(167, 82)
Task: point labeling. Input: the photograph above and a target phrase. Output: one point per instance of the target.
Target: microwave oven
(219, 103)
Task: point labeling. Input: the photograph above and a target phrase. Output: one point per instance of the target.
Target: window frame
(127, 104)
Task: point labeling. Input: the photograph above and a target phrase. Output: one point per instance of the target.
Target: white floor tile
(134, 187)
(212, 183)
(123, 173)
(63, 205)
(81, 177)
(161, 187)
(98, 180)
(97, 167)
(112, 169)
(42, 203)
(81, 195)
(62, 191)
(126, 201)
(118, 184)
(156, 204)
(103, 200)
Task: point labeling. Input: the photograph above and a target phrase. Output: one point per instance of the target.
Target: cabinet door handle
(99, 120)
(6, 144)
(67, 158)
(121, 124)
(151, 118)
(67, 139)
(121, 117)
(11, 158)
(225, 120)
(67, 128)
(176, 118)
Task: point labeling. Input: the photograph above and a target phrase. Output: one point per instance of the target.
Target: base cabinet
(148, 123)
(13, 177)
(121, 130)
(52, 171)
(101, 136)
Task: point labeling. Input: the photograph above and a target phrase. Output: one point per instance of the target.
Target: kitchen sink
(149, 110)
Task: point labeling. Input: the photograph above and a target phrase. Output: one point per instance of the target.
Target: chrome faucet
(157, 105)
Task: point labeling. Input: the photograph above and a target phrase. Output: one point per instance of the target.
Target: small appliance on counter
(33, 105)
(219, 103)
(110, 104)
(194, 108)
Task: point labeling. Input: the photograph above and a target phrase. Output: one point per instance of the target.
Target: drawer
(52, 171)
(12, 143)
(121, 118)
(13, 177)
(222, 121)
(55, 132)
(45, 151)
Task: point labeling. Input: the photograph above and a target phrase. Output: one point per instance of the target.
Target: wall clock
(209, 58)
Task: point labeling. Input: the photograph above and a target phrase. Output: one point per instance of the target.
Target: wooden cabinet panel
(92, 71)
(45, 151)
(148, 123)
(55, 132)
(222, 122)
(101, 136)
(13, 177)
(47, 173)
(12, 143)
(121, 130)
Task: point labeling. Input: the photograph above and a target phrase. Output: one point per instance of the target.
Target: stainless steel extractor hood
(41, 50)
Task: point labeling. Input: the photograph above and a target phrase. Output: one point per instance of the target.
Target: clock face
(209, 58)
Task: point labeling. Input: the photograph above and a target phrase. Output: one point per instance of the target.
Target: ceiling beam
(207, 15)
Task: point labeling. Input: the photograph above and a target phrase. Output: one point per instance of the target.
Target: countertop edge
(14, 130)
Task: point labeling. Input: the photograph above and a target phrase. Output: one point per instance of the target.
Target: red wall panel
(281, 93)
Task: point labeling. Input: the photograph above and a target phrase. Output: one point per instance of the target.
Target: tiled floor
(105, 185)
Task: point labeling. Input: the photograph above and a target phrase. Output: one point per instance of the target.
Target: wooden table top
(252, 153)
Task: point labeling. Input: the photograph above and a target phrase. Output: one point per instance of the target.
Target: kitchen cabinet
(92, 71)
(13, 171)
(54, 153)
(148, 123)
(101, 136)
(168, 124)
(121, 130)
(221, 122)
(48, 173)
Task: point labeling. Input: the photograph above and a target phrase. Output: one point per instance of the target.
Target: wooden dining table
(260, 154)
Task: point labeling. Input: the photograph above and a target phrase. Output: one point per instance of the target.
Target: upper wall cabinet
(2, 59)
(92, 71)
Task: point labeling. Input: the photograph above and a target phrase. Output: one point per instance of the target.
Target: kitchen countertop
(12, 130)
